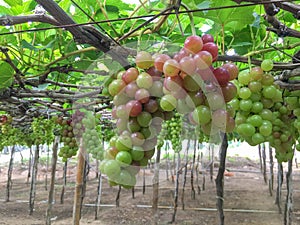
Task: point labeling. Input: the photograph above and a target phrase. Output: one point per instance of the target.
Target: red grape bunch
(149, 94)
(68, 138)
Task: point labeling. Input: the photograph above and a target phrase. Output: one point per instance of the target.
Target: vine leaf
(6, 76)
(13, 3)
(240, 16)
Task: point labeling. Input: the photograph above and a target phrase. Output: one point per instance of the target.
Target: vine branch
(8, 20)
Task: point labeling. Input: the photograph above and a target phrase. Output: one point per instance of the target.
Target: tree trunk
(271, 180)
(176, 193)
(52, 181)
(47, 167)
(260, 158)
(279, 187)
(33, 180)
(203, 172)
(197, 174)
(220, 179)
(29, 165)
(9, 174)
(144, 181)
(212, 156)
(79, 185)
(118, 196)
(99, 192)
(264, 162)
(185, 172)
(64, 183)
(288, 211)
(168, 162)
(156, 188)
(193, 192)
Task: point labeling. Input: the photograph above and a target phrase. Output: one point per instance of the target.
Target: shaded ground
(247, 200)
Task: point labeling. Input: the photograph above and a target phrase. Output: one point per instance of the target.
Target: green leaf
(43, 86)
(120, 4)
(4, 11)
(112, 8)
(84, 64)
(25, 44)
(241, 15)
(288, 17)
(6, 75)
(13, 3)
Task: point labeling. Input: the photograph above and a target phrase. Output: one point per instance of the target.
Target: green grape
(174, 130)
(269, 117)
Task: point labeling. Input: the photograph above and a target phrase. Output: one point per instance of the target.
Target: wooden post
(78, 186)
(220, 178)
(52, 181)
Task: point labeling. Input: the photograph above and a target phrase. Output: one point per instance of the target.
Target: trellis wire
(141, 17)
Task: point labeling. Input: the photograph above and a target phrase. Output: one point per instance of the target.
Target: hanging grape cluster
(70, 147)
(149, 94)
(92, 135)
(9, 135)
(262, 115)
(173, 129)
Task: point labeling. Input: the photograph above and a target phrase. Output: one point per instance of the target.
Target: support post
(220, 178)
(78, 186)
(52, 181)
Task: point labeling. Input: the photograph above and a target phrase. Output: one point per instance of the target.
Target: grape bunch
(262, 114)
(107, 129)
(292, 101)
(9, 135)
(92, 135)
(173, 129)
(70, 147)
(194, 87)
(149, 94)
(5, 122)
(42, 130)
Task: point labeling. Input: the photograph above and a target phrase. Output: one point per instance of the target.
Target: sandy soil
(247, 199)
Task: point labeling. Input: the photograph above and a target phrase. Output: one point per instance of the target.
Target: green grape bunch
(174, 131)
(92, 135)
(262, 114)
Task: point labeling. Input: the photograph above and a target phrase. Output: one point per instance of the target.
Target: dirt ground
(247, 199)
